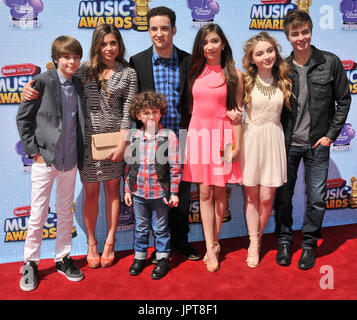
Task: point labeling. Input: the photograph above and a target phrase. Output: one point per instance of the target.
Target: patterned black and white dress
(104, 115)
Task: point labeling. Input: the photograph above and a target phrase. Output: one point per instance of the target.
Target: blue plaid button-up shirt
(167, 82)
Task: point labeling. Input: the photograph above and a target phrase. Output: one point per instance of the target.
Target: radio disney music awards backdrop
(28, 28)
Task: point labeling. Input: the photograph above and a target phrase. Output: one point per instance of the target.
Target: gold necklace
(269, 90)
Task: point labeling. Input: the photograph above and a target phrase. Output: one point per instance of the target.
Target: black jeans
(178, 217)
(316, 162)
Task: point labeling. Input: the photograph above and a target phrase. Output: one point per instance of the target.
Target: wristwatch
(329, 140)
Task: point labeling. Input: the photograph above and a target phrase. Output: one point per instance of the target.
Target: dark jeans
(151, 214)
(178, 217)
(316, 162)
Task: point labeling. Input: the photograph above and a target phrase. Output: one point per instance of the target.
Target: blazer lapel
(55, 86)
(183, 71)
(149, 72)
(79, 90)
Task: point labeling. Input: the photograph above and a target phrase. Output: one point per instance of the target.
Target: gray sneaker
(67, 267)
(28, 280)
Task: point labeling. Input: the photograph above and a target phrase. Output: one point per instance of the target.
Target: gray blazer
(39, 121)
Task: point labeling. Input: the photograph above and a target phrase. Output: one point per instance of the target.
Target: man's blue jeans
(316, 162)
(151, 214)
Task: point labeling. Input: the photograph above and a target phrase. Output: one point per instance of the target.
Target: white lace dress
(263, 156)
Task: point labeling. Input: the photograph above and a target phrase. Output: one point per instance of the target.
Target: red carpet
(189, 280)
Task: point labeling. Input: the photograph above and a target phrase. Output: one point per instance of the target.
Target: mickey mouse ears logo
(348, 9)
(202, 11)
(24, 12)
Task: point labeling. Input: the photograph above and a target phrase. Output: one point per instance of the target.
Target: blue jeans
(316, 162)
(151, 214)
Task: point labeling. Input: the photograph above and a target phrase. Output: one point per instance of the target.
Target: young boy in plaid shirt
(152, 179)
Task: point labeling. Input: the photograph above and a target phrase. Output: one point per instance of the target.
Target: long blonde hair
(280, 70)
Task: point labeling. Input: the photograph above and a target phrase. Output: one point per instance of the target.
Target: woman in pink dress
(263, 157)
(213, 140)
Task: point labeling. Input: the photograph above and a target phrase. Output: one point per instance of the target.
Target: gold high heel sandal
(210, 266)
(106, 261)
(253, 251)
(93, 263)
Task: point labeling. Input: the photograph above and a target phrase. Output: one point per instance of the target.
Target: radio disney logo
(15, 77)
(15, 228)
(351, 73)
(339, 195)
(202, 11)
(270, 14)
(348, 9)
(24, 12)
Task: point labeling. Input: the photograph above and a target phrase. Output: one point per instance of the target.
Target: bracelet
(235, 122)
(329, 140)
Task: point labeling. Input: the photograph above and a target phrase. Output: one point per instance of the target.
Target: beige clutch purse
(103, 144)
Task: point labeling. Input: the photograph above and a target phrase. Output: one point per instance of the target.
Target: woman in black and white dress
(109, 86)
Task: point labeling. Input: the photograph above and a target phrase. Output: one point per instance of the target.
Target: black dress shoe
(307, 259)
(283, 257)
(189, 252)
(137, 267)
(161, 269)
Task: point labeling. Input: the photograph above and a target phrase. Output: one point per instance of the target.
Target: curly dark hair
(148, 100)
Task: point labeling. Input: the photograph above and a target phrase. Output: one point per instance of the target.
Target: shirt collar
(140, 133)
(63, 79)
(155, 55)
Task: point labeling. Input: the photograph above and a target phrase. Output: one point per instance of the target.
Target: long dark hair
(198, 62)
(96, 62)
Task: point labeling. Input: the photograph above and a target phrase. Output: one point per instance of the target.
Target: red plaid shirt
(147, 185)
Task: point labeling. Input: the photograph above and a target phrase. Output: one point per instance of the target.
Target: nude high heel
(106, 261)
(205, 259)
(93, 263)
(253, 250)
(210, 266)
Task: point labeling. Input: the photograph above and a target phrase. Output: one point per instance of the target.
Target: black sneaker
(67, 267)
(28, 280)
(161, 269)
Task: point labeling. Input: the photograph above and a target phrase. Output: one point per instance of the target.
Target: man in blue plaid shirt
(166, 73)
(164, 68)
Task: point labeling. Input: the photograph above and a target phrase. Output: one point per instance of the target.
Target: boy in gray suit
(51, 132)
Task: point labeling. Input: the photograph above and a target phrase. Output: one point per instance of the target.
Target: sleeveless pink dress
(210, 130)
